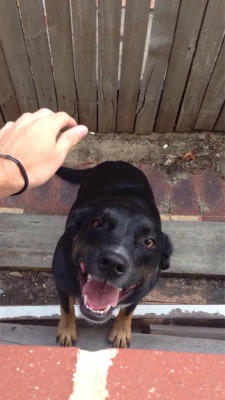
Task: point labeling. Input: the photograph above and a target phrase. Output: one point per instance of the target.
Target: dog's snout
(113, 264)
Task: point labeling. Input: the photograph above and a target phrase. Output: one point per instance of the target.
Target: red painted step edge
(72, 374)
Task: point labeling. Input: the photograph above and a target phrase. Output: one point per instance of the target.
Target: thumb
(72, 136)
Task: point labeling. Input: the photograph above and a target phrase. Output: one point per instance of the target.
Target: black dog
(112, 250)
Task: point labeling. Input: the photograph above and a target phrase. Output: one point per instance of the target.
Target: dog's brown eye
(149, 242)
(97, 223)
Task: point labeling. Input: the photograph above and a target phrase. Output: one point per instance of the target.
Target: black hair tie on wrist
(22, 170)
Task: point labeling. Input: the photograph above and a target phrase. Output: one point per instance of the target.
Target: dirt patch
(27, 288)
(164, 151)
(37, 288)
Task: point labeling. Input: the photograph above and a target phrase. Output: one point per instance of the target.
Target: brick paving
(199, 197)
(72, 374)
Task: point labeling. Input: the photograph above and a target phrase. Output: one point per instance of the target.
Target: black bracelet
(22, 170)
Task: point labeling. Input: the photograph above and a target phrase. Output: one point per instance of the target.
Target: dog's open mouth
(99, 298)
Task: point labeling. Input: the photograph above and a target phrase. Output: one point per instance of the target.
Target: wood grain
(60, 34)
(2, 122)
(14, 48)
(135, 30)
(84, 41)
(208, 47)
(8, 101)
(161, 41)
(95, 338)
(220, 123)
(215, 95)
(195, 243)
(184, 44)
(109, 19)
(34, 26)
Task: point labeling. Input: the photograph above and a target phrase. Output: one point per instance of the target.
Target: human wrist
(11, 179)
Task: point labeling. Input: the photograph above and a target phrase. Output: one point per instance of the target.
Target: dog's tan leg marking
(66, 333)
(120, 334)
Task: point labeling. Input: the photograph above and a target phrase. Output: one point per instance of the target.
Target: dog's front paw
(66, 333)
(120, 337)
(120, 334)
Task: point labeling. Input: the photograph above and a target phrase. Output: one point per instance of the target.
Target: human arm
(36, 141)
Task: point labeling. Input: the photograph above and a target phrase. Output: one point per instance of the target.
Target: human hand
(35, 140)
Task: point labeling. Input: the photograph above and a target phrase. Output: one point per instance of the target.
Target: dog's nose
(113, 264)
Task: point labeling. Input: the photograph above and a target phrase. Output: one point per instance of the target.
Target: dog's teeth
(106, 309)
(89, 277)
(85, 300)
(83, 267)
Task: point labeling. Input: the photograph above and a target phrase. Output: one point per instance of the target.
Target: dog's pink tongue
(100, 294)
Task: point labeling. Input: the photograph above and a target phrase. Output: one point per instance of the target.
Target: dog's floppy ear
(75, 220)
(167, 249)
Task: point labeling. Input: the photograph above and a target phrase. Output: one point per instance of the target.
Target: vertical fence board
(34, 25)
(8, 102)
(84, 36)
(109, 19)
(135, 30)
(220, 123)
(188, 26)
(215, 95)
(11, 36)
(2, 122)
(60, 34)
(163, 28)
(209, 43)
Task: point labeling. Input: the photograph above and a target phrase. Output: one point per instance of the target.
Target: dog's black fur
(113, 235)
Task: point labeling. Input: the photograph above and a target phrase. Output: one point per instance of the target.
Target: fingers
(57, 121)
(71, 137)
(43, 112)
(28, 117)
(60, 120)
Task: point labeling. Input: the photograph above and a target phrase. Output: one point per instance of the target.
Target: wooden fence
(115, 67)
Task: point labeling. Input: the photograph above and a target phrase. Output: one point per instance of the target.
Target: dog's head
(118, 254)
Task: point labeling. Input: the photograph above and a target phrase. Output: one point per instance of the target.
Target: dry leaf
(189, 156)
(16, 274)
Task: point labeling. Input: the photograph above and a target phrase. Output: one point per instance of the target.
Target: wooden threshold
(92, 338)
(28, 241)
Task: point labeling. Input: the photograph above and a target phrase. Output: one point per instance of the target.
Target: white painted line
(142, 310)
(7, 210)
(90, 376)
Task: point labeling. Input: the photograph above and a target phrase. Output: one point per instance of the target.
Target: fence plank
(220, 123)
(11, 36)
(34, 26)
(109, 19)
(209, 44)
(135, 30)
(84, 36)
(8, 102)
(59, 25)
(163, 28)
(188, 26)
(2, 122)
(215, 95)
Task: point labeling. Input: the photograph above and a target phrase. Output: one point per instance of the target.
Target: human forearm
(11, 180)
(36, 141)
